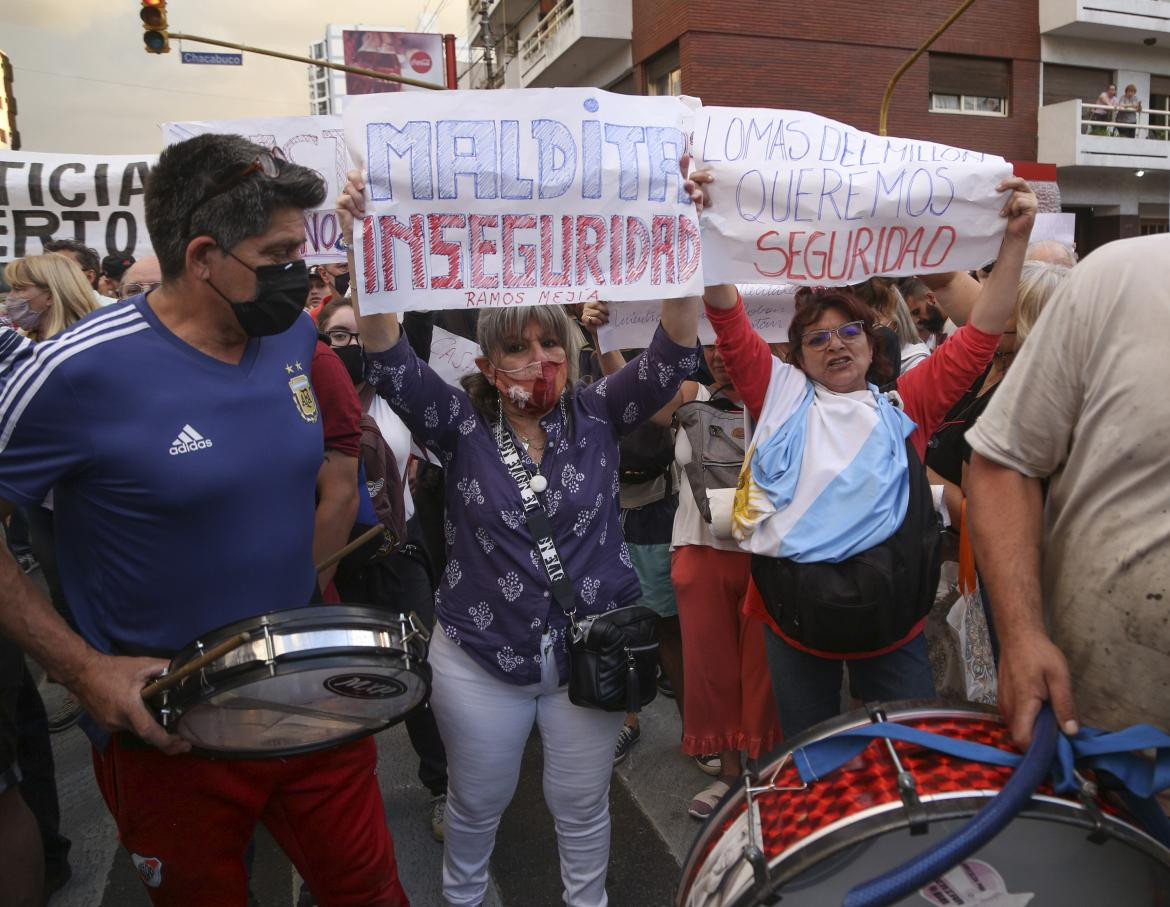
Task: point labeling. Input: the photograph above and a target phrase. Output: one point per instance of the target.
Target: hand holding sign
(539, 196)
(807, 200)
(379, 331)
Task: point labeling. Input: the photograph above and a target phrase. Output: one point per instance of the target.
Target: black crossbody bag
(613, 657)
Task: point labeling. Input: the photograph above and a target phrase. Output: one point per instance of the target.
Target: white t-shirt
(1087, 403)
(397, 438)
(689, 526)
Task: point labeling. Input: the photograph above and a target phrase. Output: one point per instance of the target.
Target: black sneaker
(627, 737)
(664, 686)
(66, 715)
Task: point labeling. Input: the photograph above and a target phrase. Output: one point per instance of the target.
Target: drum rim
(1043, 806)
(243, 675)
(859, 717)
(331, 615)
(885, 818)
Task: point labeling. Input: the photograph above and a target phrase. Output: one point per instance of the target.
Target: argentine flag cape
(825, 475)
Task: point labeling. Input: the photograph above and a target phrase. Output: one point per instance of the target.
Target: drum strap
(1119, 754)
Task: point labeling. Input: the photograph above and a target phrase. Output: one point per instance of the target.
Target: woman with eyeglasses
(833, 502)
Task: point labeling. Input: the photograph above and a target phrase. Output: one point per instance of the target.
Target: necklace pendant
(539, 483)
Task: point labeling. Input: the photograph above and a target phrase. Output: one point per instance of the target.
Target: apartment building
(1115, 176)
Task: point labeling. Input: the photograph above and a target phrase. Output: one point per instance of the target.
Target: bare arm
(337, 507)
(109, 688)
(1006, 518)
(997, 301)
(989, 305)
(955, 293)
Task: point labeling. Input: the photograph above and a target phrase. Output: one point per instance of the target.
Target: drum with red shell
(776, 839)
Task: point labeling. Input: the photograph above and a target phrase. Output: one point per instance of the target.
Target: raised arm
(960, 296)
(997, 300)
(746, 356)
(379, 332)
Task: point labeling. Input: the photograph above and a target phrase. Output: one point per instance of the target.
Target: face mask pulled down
(281, 291)
(533, 388)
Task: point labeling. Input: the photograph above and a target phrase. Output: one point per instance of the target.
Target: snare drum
(305, 679)
(778, 840)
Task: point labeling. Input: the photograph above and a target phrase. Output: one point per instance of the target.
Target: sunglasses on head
(266, 163)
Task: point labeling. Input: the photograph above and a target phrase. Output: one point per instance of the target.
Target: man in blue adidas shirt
(182, 441)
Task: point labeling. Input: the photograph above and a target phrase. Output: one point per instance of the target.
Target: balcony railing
(532, 47)
(1102, 119)
(1079, 134)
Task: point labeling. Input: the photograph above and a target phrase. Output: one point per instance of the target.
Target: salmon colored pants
(729, 703)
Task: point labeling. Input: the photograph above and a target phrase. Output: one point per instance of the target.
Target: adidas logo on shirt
(189, 440)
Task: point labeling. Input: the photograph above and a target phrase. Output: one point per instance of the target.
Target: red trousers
(187, 820)
(728, 703)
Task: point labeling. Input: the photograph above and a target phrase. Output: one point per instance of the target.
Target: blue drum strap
(1118, 753)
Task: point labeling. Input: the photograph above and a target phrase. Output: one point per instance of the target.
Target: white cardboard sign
(521, 197)
(315, 142)
(632, 324)
(801, 199)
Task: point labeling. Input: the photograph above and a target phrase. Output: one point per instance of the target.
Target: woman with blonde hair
(49, 293)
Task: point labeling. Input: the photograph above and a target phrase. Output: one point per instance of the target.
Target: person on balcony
(1104, 110)
(1128, 109)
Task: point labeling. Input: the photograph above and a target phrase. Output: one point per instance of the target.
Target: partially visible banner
(411, 54)
(452, 356)
(521, 197)
(1060, 227)
(314, 142)
(632, 324)
(802, 199)
(95, 199)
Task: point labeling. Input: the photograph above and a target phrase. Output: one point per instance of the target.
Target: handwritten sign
(452, 356)
(96, 199)
(802, 199)
(314, 142)
(632, 324)
(537, 196)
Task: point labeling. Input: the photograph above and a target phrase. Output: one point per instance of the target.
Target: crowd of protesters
(852, 437)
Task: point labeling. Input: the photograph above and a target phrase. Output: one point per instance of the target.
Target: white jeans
(485, 723)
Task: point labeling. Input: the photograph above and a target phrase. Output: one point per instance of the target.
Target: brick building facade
(836, 61)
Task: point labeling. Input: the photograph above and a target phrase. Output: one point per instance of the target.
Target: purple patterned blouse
(494, 599)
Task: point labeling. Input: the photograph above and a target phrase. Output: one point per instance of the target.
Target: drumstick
(169, 680)
(371, 533)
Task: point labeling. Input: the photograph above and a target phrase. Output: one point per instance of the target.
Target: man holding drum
(182, 442)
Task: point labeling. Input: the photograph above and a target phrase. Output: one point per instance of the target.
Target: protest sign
(632, 324)
(314, 142)
(521, 197)
(95, 199)
(452, 356)
(1060, 227)
(802, 199)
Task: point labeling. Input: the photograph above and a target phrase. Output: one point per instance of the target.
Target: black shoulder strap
(538, 522)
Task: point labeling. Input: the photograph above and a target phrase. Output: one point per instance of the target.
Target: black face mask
(341, 282)
(281, 291)
(354, 360)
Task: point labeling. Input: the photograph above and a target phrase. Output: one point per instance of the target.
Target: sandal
(706, 800)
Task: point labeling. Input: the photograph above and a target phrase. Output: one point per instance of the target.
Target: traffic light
(154, 21)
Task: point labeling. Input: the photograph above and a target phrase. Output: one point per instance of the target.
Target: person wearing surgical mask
(49, 293)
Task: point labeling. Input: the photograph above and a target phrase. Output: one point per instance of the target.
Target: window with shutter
(977, 86)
